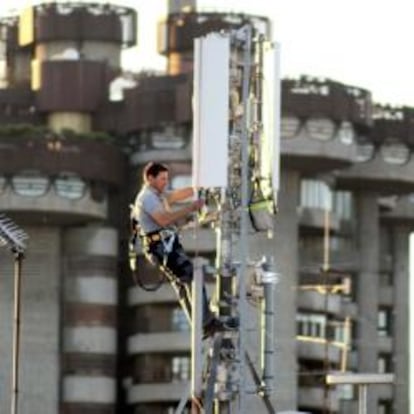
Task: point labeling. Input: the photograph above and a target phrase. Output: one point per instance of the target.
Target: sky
(365, 43)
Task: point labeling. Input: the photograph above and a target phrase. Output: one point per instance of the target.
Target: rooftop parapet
(309, 97)
(72, 21)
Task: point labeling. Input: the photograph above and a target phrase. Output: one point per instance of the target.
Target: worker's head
(156, 175)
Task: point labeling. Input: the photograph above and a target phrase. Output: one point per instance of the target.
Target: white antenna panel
(211, 111)
(270, 148)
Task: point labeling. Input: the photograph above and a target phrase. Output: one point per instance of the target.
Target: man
(159, 237)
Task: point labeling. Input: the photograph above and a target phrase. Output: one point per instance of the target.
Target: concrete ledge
(315, 348)
(402, 213)
(378, 175)
(89, 389)
(315, 301)
(53, 209)
(314, 218)
(313, 397)
(90, 339)
(157, 392)
(310, 155)
(164, 342)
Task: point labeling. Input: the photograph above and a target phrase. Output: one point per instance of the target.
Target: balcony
(376, 174)
(316, 301)
(321, 122)
(313, 398)
(157, 101)
(318, 349)
(402, 211)
(53, 208)
(313, 219)
(72, 86)
(85, 21)
(87, 158)
(148, 393)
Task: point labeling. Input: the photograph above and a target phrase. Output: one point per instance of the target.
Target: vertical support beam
(362, 398)
(367, 287)
(400, 240)
(286, 256)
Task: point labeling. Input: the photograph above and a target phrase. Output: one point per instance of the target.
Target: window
(395, 153)
(30, 184)
(384, 363)
(69, 185)
(321, 129)
(343, 204)
(179, 321)
(308, 324)
(384, 322)
(315, 194)
(346, 133)
(345, 391)
(289, 127)
(180, 369)
(364, 152)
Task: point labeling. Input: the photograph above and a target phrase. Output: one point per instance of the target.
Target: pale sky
(366, 43)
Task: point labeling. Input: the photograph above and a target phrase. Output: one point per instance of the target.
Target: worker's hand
(197, 205)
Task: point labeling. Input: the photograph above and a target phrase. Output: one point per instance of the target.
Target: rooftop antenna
(12, 237)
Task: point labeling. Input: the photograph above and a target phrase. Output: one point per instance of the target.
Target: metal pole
(196, 341)
(269, 280)
(224, 292)
(16, 332)
(244, 219)
(14, 238)
(362, 399)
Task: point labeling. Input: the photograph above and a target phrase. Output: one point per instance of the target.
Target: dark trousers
(178, 269)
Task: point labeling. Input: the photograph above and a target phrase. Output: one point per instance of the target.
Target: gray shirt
(147, 202)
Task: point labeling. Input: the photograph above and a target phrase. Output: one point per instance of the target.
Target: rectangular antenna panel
(211, 111)
(270, 148)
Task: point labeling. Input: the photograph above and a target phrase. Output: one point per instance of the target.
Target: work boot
(231, 323)
(211, 327)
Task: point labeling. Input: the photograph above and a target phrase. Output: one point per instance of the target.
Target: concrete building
(75, 135)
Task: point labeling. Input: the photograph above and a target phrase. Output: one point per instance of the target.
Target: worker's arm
(179, 195)
(166, 218)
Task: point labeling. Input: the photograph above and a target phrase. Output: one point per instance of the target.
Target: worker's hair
(153, 169)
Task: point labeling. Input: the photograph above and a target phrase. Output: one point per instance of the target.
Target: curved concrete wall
(90, 320)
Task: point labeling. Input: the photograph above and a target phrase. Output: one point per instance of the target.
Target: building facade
(75, 135)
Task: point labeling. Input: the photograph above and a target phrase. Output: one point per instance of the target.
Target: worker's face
(159, 182)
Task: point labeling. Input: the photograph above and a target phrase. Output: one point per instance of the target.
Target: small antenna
(11, 235)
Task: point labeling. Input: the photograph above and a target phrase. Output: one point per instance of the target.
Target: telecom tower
(236, 164)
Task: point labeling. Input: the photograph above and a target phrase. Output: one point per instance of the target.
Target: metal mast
(14, 238)
(235, 161)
